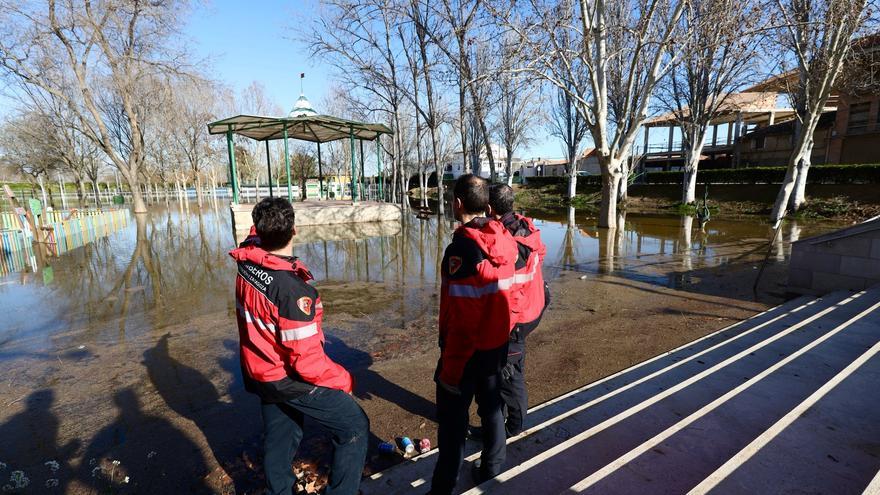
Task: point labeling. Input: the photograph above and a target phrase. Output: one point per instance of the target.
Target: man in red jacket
(282, 355)
(475, 321)
(531, 295)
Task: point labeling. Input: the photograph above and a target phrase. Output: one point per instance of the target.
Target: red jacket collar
(250, 250)
(523, 230)
(492, 238)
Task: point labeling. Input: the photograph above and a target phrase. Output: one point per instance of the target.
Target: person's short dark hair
(274, 220)
(501, 198)
(473, 191)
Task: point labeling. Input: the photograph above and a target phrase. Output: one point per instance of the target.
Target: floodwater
(137, 328)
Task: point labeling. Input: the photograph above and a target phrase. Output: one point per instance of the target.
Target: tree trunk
(798, 195)
(137, 199)
(404, 199)
(572, 186)
(623, 187)
(81, 191)
(691, 164)
(199, 189)
(780, 206)
(441, 192)
(802, 150)
(489, 153)
(610, 182)
(42, 190)
(97, 194)
(689, 186)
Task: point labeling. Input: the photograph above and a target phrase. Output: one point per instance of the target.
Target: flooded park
(704, 177)
(121, 369)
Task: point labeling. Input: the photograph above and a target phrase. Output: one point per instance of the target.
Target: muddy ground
(165, 412)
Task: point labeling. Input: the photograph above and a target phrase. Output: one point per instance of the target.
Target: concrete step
(614, 433)
(669, 423)
(545, 418)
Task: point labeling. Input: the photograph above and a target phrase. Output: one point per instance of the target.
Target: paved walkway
(785, 402)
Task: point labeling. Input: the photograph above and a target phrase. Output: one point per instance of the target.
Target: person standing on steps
(532, 296)
(282, 355)
(475, 321)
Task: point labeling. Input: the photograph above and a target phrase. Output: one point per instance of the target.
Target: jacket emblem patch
(305, 305)
(454, 264)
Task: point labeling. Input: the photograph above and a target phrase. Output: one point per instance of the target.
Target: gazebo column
(353, 166)
(363, 175)
(287, 166)
(231, 150)
(320, 175)
(379, 166)
(269, 167)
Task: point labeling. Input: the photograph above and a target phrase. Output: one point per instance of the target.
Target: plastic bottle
(387, 448)
(408, 445)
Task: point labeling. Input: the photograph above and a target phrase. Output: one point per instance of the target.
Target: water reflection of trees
(612, 244)
(171, 269)
(395, 259)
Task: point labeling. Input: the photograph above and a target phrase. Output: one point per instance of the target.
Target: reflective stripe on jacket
(279, 325)
(529, 281)
(477, 275)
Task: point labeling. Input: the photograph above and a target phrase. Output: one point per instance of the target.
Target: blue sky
(255, 41)
(252, 41)
(241, 42)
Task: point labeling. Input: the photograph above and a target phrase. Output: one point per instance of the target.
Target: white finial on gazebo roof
(302, 108)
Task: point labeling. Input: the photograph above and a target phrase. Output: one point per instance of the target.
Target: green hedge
(819, 174)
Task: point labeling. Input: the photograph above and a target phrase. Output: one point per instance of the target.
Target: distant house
(541, 167)
(756, 128)
(588, 163)
(855, 135)
(455, 168)
(772, 145)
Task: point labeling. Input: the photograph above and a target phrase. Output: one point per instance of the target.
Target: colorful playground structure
(61, 231)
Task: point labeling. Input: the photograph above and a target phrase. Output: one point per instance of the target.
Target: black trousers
(513, 388)
(513, 379)
(481, 381)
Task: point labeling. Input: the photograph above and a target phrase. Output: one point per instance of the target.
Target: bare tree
(516, 112)
(79, 53)
(718, 47)
(423, 24)
(568, 125)
(472, 60)
(24, 150)
(624, 48)
(816, 38)
(412, 93)
(357, 38)
(193, 106)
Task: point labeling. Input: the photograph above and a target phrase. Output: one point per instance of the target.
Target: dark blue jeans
(336, 411)
(481, 381)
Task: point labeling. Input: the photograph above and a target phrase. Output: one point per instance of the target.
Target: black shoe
(477, 474)
(475, 432)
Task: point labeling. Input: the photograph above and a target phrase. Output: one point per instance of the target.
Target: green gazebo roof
(314, 128)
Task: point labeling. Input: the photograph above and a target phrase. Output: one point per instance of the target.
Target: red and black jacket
(529, 288)
(279, 325)
(476, 301)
